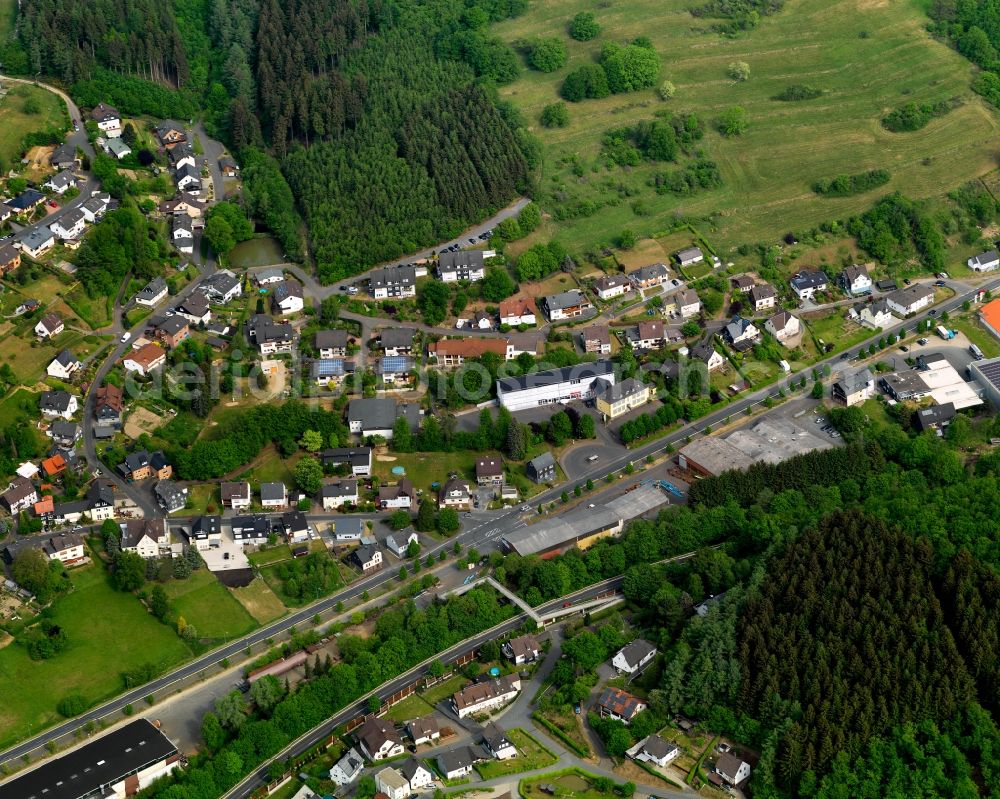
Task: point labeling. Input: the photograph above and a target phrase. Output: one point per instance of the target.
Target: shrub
(797, 92)
(739, 71)
(733, 121)
(667, 90)
(555, 115)
(585, 83)
(547, 55)
(583, 27)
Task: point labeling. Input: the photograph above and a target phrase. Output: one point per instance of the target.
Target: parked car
(126, 336)
(922, 341)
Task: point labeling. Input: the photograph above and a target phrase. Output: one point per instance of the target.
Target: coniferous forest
(381, 115)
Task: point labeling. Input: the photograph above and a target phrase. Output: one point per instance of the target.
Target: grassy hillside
(25, 109)
(868, 57)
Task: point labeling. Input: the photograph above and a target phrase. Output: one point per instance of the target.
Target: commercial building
(118, 765)
(986, 374)
(554, 385)
(768, 441)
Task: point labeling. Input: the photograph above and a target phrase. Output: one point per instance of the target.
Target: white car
(126, 336)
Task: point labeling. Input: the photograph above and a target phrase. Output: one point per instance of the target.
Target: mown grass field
(15, 124)
(204, 602)
(260, 601)
(868, 57)
(109, 632)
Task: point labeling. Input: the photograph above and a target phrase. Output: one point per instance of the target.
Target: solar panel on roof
(330, 367)
(396, 363)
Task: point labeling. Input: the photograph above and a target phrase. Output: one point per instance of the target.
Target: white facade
(62, 371)
(547, 388)
(392, 784)
(69, 226)
(420, 778)
(984, 262)
(908, 301)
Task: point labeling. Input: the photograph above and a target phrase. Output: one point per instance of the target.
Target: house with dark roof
(656, 750)
(610, 286)
(378, 739)
(359, 459)
(64, 434)
(731, 769)
(484, 696)
(596, 338)
(397, 341)
(57, 404)
(648, 276)
(252, 529)
(541, 469)
(170, 496)
(63, 366)
(346, 770)
(287, 297)
(376, 416)
(337, 493)
(20, 495)
(368, 558)
(634, 656)
(416, 775)
(497, 743)
(206, 532)
(273, 495)
(331, 343)
(64, 157)
(457, 763)
(398, 281)
(268, 336)
(808, 282)
(522, 649)
(566, 305)
(461, 265)
(145, 537)
(855, 280)
(236, 495)
(401, 495)
(221, 287)
(152, 293)
(489, 470)
(424, 730)
(194, 309)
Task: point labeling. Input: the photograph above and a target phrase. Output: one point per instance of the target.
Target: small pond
(261, 251)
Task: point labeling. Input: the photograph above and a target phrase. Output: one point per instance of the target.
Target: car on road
(932, 312)
(126, 336)
(352, 289)
(939, 283)
(593, 458)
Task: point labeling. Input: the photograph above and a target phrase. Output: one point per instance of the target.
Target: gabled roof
(599, 333)
(489, 466)
(393, 276)
(331, 339)
(339, 488)
(272, 492)
(542, 462)
(565, 299)
(621, 703)
(457, 759)
(104, 113)
(55, 401)
(397, 337)
(519, 307)
(626, 388)
(657, 271)
(808, 279)
(237, 490)
(472, 347)
(460, 260)
(635, 652)
(761, 291)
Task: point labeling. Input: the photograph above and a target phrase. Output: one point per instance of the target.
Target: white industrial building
(555, 385)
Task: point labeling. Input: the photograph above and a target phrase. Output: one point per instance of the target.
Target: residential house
(94, 208)
(286, 297)
(688, 303)
(188, 179)
(20, 495)
(182, 235)
(145, 537)
(656, 750)
(854, 388)
(170, 496)
(623, 397)
(451, 352)
(398, 543)
(400, 281)
(649, 276)
(268, 336)
(566, 305)
(153, 293)
(296, 526)
(457, 763)
(136, 466)
(424, 730)
(646, 335)
(375, 416)
(619, 705)
(807, 283)
(64, 434)
(108, 405)
(206, 532)
(327, 371)
(336, 493)
(762, 297)
(269, 276)
(455, 493)
(182, 155)
(910, 299)
(348, 529)
(359, 459)
(985, 261)
(521, 650)
(487, 695)
(117, 148)
(63, 366)
(229, 168)
(489, 470)
(704, 352)
(397, 341)
(70, 225)
(610, 286)
(518, 312)
(194, 309)
(742, 283)
(54, 465)
(100, 500)
(461, 265)
(741, 333)
(518, 343)
(541, 469)
(236, 495)
(36, 241)
(221, 287)
(855, 280)
(346, 770)
(108, 120)
(170, 133)
(57, 404)
(367, 558)
(633, 657)
(596, 338)
(416, 775)
(184, 204)
(873, 315)
(732, 770)
(480, 320)
(936, 417)
(66, 548)
(401, 495)
(689, 256)
(783, 326)
(394, 369)
(391, 783)
(331, 343)
(146, 359)
(497, 743)
(10, 258)
(25, 202)
(49, 325)
(172, 331)
(61, 182)
(252, 529)
(64, 157)
(273, 495)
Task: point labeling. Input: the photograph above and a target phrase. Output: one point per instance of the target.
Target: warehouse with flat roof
(768, 441)
(583, 526)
